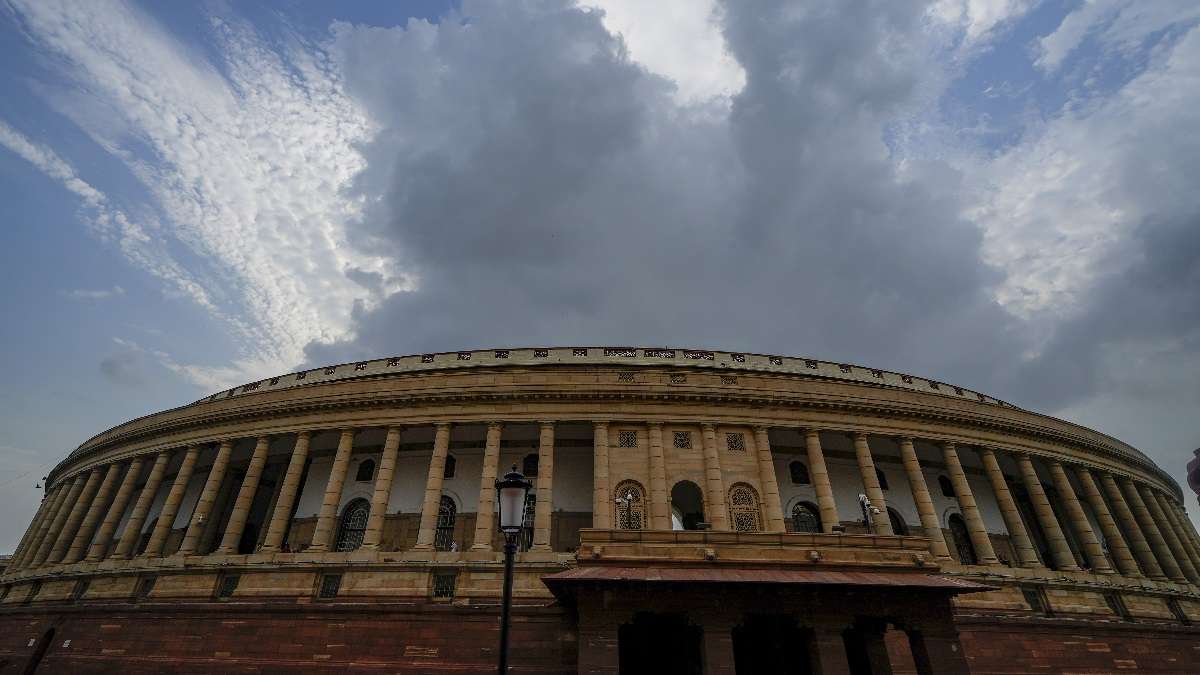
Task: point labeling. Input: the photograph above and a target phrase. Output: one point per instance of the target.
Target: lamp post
(510, 492)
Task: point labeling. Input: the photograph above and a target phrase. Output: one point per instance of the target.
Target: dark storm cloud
(548, 191)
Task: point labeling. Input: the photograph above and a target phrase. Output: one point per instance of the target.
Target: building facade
(757, 513)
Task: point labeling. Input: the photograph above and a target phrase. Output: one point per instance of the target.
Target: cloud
(93, 294)
(245, 159)
(1122, 25)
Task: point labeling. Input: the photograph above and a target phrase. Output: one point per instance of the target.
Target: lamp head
(510, 492)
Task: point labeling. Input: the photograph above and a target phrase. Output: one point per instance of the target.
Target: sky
(994, 193)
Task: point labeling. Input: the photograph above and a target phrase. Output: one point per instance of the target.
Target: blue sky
(997, 193)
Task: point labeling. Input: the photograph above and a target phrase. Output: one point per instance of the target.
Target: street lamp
(510, 492)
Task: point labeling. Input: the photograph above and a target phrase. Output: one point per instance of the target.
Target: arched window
(805, 518)
(947, 486)
(687, 506)
(353, 525)
(799, 473)
(630, 503)
(529, 466)
(444, 538)
(962, 540)
(449, 471)
(883, 484)
(366, 470)
(743, 508)
(899, 527)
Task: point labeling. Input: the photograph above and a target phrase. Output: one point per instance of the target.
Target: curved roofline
(633, 357)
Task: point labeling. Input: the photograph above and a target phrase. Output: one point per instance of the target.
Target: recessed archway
(687, 506)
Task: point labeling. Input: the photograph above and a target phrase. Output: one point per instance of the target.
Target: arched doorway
(806, 518)
(962, 539)
(687, 506)
(353, 525)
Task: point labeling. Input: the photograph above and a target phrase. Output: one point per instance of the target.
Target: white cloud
(246, 160)
(678, 39)
(1120, 24)
(977, 18)
(94, 294)
(1060, 205)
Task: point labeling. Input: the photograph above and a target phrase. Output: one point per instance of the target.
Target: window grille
(739, 358)
(620, 352)
(145, 587)
(630, 505)
(743, 509)
(501, 353)
(527, 521)
(877, 374)
(735, 442)
(529, 465)
(811, 364)
(427, 358)
(80, 589)
(361, 365)
(330, 585)
(443, 584)
(394, 361)
(366, 470)
(451, 465)
(906, 379)
(776, 361)
(658, 353)
(934, 385)
(353, 525)
(679, 379)
(541, 353)
(728, 379)
(624, 377)
(578, 352)
(331, 370)
(444, 537)
(301, 376)
(705, 356)
(683, 440)
(227, 585)
(962, 540)
(274, 381)
(799, 473)
(805, 518)
(845, 367)
(464, 356)
(627, 439)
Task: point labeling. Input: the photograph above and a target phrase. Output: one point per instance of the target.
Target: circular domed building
(693, 511)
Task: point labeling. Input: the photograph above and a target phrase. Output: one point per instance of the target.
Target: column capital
(810, 431)
(654, 424)
(856, 435)
(948, 445)
(601, 423)
(304, 434)
(441, 425)
(761, 428)
(904, 437)
(546, 423)
(494, 424)
(708, 426)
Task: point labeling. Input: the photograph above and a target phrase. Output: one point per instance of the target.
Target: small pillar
(199, 521)
(544, 507)
(714, 482)
(78, 510)
(1121, 555)
(1079, 521)
(1017, 534)
(1178, 553)
(929, 517)
(433, 489)
(486, 512)
(137, 517)
(327, 517)
(170, 508)
(966, 504)
(282, 515)
(54, 532)
(113, 514)
(870, 479)
(601, 496)
(819, 475)
(245, 498)
(382, 492)
(660, 514)
(1133, 533)
(766, 476)
(1055, 539)
(1154, 537)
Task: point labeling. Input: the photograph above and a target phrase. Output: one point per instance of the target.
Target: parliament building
(692, 511)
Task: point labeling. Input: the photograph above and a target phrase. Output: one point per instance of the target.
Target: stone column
(1133, 533)
(717, 643)
(78, 509)
(1079, 522)
(37, 528)
(660, 513)
(113, 515)
(1175, 548)
(1117, 548)
(327, 517)
(87, 527)
(936, 650)
(1055, 539)
(1154, 537)
(929, 517)
(966, 504)
(60, 519)
(866, 467)
(819, 475)
(245, 498)
(382, 493)
(486, 511)
(53, 503)
(1184, 526)
(714, 482)
(216, 475)
(829, 651)
(1017, 534)
(170, 508)
(545, 489)
(433, 489)
(766, 476)
(601, 496)
(137, 518)
(288, 490)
